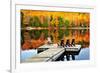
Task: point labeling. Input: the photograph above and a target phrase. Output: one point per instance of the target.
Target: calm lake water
(83, 55)
(81, 36)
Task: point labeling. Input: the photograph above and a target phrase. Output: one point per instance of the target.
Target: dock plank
(52, 53)
(48, 55)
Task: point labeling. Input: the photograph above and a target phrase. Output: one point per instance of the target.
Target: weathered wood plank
(52, 53)
(48, 55)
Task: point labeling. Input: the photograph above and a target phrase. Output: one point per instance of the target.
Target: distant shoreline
(45, 28)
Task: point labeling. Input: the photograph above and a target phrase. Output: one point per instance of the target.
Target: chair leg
(68, 57)
(73, 57)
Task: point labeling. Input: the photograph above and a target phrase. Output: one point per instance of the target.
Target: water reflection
(34, 38)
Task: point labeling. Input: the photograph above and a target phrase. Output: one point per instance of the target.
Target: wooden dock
(47, 55)
(53, 53)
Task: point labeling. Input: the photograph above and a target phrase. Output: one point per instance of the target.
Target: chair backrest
(68, 42)
(73, 42)
(62, 43)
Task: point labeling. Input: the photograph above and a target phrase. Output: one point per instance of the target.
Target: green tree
(37, 34)
(36, 21)
(45, 24)
(61, 21)
(66, 32)
(61, 33)
(45, 32)
(31, 21)
(66, 23)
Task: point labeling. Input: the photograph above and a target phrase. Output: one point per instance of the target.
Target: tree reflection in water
(34, 38)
